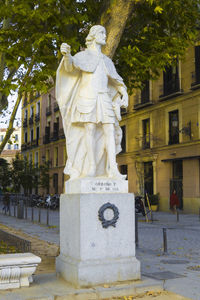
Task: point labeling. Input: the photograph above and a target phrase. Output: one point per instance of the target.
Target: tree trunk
(10, 128)
(114, 17)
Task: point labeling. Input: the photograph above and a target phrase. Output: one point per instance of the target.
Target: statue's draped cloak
(67, 89)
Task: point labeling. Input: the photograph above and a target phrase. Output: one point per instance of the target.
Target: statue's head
(97, 33)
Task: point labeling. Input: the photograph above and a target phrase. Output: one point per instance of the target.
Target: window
(124, 170)
(49, 100)
(31, 135)
(16, 146)
(177, 167)
(32, 111)
(146, 133)
(148, 178)
(123, 141)
(56, 157)
(1, 139)
(196, 74)
(171, 82)
(25, 114)
(25, 137)
(16, 137)
(38, 108)
(36, 159)
(9, 147)
(37, 134)
(145, 92)
(173, 127)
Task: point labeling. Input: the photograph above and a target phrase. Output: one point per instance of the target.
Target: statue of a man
(90, 93)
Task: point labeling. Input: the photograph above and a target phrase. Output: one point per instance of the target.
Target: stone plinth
(97, 238)
(96, 185)
(16, 269)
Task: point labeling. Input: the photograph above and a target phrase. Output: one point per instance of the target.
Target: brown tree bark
(114, 17)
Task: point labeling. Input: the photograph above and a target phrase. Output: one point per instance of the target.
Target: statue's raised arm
(90, 93)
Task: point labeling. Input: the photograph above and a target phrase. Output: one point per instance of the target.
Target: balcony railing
(25, 123)
(195, 78)
(34, 143)
(54, 136)
(31, 120)
(56, 107)
(46, 139)
(37, 117)
(61, 134)
(170, 89)
(48, 111)
(24, 147)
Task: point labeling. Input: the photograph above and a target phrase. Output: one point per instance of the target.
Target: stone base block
(96, 185)
(97, 239)
(91, 273)
(16, 269)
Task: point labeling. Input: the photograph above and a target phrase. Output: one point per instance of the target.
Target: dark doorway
(177, 180)
(148, 178)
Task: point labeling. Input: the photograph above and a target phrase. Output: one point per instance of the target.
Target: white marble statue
(90, 93)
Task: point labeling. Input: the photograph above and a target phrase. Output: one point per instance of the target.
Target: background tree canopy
(143, 37)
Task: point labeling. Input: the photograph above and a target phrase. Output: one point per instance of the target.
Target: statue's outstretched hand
(65, 49)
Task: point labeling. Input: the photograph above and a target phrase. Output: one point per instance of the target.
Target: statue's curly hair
(92, 33)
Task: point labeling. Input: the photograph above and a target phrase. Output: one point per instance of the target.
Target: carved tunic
(94, 104)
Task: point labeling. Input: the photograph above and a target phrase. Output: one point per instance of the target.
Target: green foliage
(23, 174)
(44, 177)
(5, 175)
(31, 32)
(158, 32)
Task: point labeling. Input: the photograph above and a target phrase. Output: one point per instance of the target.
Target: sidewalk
(178, 270)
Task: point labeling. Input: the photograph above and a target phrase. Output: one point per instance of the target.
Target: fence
(21, 207)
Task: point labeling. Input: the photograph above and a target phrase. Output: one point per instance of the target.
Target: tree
(144, 35)
(23, 174)
(44, 177)
(5, 175)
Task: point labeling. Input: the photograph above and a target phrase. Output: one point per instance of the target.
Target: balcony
(34, 143)
(48, 111)
(31, 120)
(54, 136)
(37, 117)
(25, 123)
(46, 139)
(24, 147)
(61, 134)
(195, 78)
(56, 107)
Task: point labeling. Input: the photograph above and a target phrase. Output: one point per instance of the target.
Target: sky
(5, 116)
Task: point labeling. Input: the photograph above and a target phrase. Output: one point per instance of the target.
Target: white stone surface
(89, 253)
(16, 269)
(90, 92)
(96, 185)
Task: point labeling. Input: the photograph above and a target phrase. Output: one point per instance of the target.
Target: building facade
(13, 146)
(43, 137)
(161, 136)
(161, 148)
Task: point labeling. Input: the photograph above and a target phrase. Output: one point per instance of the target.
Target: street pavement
(178, 268)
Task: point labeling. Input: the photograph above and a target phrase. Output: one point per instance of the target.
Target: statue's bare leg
(109, 133)
(89, 134)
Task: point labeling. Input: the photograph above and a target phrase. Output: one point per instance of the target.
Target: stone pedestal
(97, 238)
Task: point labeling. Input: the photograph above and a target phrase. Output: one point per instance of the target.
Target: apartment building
(161, 146)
